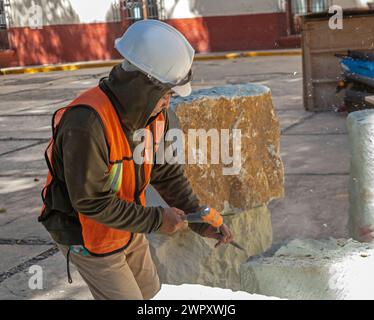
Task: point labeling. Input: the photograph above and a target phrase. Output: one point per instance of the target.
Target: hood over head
(136, 96)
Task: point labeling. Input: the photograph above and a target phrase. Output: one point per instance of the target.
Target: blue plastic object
(359, 67)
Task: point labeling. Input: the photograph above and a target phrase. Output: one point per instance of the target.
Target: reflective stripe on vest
(98, 238)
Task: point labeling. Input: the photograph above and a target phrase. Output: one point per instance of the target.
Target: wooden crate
(321, 69)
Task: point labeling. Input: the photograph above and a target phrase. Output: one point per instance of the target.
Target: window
(300, 7)
(143, 9)
(4, 41)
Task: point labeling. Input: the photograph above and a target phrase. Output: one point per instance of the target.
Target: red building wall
(94, 41)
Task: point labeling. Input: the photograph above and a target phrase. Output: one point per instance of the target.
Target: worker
(94, 197)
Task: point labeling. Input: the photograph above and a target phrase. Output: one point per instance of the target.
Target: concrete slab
(46, 108)
(313, 207)
(28, 161)
(291, 117)
(37, 127)
(25, 228)
(322, 123)
(55, 285)
(13, 84)
(19, 197)
(287, 92)
(13, 255)
(34, 99)
(310, 269)
(315, 154)
(22, 107)
(6, 146)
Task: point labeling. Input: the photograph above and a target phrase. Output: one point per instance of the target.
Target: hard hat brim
(184, 90)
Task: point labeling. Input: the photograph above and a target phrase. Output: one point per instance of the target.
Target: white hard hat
(161, 52)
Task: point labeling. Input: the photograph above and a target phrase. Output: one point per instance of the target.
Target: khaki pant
(127, 275)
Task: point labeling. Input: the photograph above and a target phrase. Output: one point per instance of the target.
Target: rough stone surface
(361, 179)
(312, 269)
(188, 258)
(248, 108)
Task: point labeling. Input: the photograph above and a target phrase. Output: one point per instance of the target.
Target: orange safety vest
(98, 238)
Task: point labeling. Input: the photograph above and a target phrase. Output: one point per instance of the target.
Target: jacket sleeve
(172, 184)
(85, 161)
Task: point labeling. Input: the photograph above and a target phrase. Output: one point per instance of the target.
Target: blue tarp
(359, 67)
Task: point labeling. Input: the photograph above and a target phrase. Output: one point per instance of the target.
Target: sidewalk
(314, 149)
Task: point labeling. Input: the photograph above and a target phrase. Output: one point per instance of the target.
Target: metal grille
(143, 9)
(4, 40)
(301, 7)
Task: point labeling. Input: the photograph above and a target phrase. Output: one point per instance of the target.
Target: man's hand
(223, 236)
(173, 220)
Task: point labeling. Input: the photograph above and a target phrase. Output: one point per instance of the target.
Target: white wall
(64, 11)
(351, 3)
(177, 9)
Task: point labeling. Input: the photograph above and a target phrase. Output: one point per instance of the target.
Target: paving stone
(55, 285)
(315, 154)
(313, 207)
(19, 196)
(28, 161)
(7, 146)
(21, 127)
(25, 227)
(14, 255)
(322, 123)
(291, 117)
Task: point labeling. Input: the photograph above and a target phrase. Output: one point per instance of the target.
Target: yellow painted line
(218, 57)
(271, 53)
(110, 63)
(248, 54)
(65, 67)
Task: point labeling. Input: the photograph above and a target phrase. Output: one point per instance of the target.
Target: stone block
(313, 269)
(361, 183)
(247, 108)
(185, 257)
